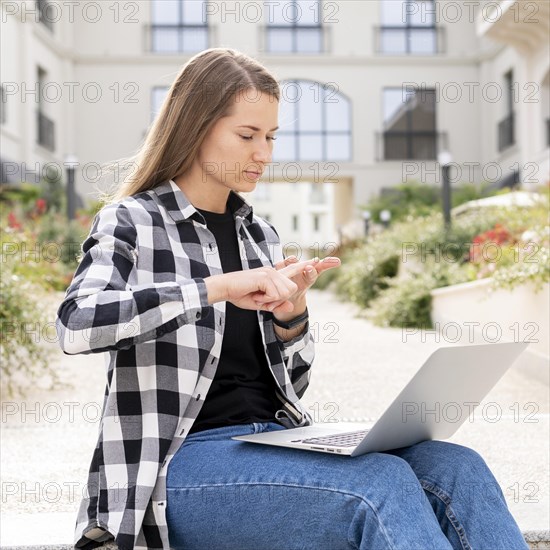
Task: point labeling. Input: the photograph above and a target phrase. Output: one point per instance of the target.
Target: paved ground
(47, 439)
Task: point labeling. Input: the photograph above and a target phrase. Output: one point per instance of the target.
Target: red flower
(41, 206)
(13, 222)
(498, 235)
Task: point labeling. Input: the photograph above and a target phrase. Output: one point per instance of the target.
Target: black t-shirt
(243, 389)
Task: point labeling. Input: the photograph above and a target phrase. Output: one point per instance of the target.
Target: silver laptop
(433, 405)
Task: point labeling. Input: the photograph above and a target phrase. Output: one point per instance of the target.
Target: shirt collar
(180, 209)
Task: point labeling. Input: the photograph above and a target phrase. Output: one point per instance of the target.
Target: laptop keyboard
(348, 439)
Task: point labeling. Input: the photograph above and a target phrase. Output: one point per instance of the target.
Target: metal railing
(46, 131)
(506, 132)
(410, 145)
(407, 40)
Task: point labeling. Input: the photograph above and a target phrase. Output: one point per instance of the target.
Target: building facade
(372, 92)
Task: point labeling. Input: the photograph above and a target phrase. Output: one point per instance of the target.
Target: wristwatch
(293, 322)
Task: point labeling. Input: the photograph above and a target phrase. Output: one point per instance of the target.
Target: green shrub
(407, 301)
(435, 257)
(364, 273)
(23, 327)
(54, 231)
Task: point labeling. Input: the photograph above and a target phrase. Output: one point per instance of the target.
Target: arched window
(315, 122)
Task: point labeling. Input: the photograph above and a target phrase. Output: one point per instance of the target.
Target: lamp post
(445, 158)
(385, 218)
(71, 162)
(366, 220)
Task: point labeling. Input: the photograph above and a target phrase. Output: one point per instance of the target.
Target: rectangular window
(506, 127)
(408, 27)
(509, 91)
(45, 135)
(409, 125)
(294, 26)
(179, 26)
(316, 222)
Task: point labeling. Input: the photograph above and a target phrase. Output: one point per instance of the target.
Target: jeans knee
(467, 470)
(463, 459)
(392, 475)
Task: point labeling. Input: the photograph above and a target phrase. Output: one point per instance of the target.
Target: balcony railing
(401, 40)
(506, 134)
(300, 39)
(42, 8)
(46, 131)
(412, 145)
(177, 39)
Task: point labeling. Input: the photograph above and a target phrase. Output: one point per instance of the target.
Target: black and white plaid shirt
(139, 294)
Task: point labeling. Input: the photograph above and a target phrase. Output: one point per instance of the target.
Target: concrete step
(537, 540)
(55, 531)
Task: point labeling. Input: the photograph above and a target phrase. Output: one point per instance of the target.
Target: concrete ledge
(537, 540)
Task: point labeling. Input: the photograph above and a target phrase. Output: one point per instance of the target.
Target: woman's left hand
(312, 270)
(304, 279)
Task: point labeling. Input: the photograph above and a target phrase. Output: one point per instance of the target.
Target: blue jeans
(227, 494)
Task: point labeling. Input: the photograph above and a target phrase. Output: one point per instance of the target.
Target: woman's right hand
(245, 288)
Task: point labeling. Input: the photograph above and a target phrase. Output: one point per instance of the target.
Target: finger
(297, 268)
(275, 287)
(310, 275)
(327, 263)
(285, 262)
(285, 286)
(268, 291)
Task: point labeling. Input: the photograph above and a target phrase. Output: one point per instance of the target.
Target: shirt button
(198, 397)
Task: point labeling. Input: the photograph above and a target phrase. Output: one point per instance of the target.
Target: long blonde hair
(201, 94)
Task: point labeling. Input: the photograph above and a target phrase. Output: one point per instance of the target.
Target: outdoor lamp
(71, 162)
(445, 158)
(366, 219)
(385, 217)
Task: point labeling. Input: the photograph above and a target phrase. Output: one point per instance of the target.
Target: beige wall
(106, 55)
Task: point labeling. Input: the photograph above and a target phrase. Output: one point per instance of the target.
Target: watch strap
(293, 322)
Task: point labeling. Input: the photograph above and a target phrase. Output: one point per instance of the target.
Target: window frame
(410, 133)
(323, 132)
(294, 27)
(180, 27)
(409, 30)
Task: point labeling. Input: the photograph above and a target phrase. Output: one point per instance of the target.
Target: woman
(188, 292)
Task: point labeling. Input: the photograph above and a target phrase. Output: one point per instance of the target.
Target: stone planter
(472, 313)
